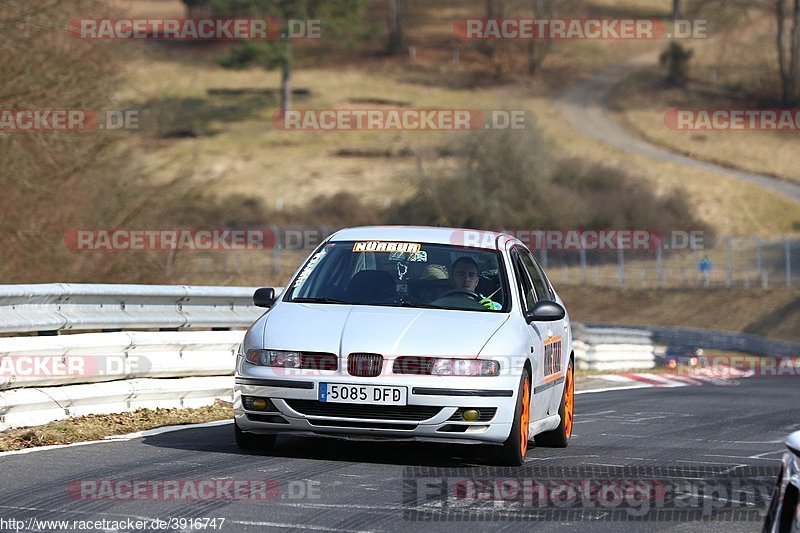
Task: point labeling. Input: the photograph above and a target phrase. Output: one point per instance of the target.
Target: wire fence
(721, 262)
(728, 262)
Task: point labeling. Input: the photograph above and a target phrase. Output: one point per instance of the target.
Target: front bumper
(432, 401)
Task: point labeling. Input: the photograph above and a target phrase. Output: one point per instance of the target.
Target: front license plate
(363, 394)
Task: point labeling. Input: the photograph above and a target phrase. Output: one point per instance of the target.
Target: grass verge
(96, 427)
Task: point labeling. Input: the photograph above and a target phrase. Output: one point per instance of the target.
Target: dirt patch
(95, 427)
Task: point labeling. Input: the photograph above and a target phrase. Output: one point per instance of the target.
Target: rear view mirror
(545, 311)
(264, 297)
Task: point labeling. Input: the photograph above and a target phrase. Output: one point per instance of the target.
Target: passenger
(465, 276)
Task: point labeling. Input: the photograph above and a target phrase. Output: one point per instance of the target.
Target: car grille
(413, 365)
(373, 412)
(361, 425)
(365, 365)
(319, 361)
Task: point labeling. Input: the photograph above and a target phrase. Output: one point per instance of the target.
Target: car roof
(489, 240)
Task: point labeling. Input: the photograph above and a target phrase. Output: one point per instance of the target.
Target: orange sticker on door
(553, 361)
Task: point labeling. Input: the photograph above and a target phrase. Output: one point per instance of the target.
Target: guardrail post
(787, 251)
(583, 263)
(758, 256)
(729, 267)
(659, 268)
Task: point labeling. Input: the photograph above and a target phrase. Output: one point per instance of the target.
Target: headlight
(274, 358)
(464, 367)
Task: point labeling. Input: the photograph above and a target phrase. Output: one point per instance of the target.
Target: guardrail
(613, 348)
(79, 307)
(123, 370)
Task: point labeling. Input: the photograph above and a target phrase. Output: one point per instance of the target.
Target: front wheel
(513, 450)
(252, 441)
(559, 437)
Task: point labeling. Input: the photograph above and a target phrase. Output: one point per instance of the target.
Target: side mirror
(545, 311)
(264, 297)
(793, 443)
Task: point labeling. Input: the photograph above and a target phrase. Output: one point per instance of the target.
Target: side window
(526, 293)
(537, 277)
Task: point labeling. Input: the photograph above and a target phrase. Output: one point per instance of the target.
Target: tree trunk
(794, 61)
(397, 37)
(781, 43)
(286, 78)
(676, 9)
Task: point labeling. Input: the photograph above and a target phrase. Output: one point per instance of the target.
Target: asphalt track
(688, 433)
(585, 105)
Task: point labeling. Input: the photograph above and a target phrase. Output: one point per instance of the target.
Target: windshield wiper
(318, 300)
(411, 303)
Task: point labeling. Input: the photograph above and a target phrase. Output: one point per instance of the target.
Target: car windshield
(403, 274)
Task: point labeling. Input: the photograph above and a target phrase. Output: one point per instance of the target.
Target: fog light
(470, 415)
(259, 404)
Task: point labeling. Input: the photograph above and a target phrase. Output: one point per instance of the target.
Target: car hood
(390, 331)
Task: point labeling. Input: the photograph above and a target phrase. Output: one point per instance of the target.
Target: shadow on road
(219, 439)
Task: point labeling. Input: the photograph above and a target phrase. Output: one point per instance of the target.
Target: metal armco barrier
(124, 370)
(613, 348)
(35, 406)
(76, 307)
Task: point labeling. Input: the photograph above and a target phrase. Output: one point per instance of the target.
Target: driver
(465, 276)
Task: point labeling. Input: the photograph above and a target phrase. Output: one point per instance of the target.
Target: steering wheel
(462, 292)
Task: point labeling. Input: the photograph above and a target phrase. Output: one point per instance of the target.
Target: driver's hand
(487, 303)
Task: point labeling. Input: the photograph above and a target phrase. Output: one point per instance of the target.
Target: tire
(253, 441)
(513, 450)
(559, 437)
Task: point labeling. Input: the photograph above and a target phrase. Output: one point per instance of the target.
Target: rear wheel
(559, 437)
(252, 441)
(513, 450)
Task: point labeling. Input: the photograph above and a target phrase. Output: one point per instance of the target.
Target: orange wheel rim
(569, 402)
(525, 417)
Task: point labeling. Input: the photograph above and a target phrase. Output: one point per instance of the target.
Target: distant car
(783, 514)
(374, 338)
(683, 356)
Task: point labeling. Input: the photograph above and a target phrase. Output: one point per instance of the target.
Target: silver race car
(417, 333)
(783, 515)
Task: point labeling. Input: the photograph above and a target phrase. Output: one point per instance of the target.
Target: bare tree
(676, 9)
(397, 31)
(788, 42)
